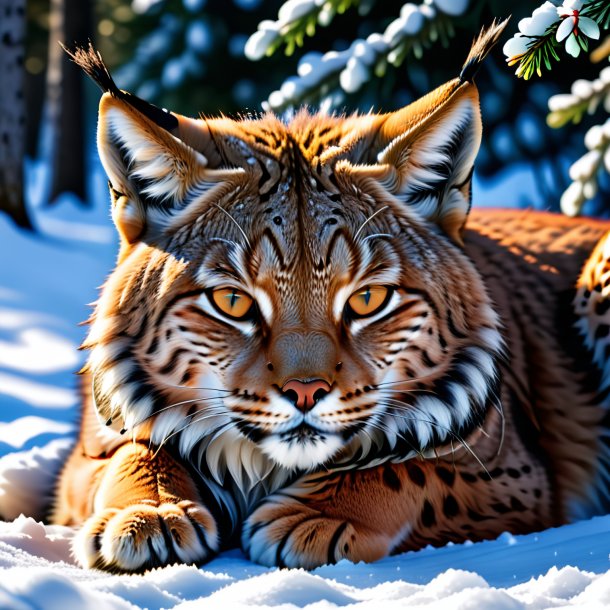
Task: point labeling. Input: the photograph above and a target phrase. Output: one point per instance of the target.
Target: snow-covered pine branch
(325, 76)
(297, 19)
(552, 26)
(540, 38)
(585, 171)
(585, 97)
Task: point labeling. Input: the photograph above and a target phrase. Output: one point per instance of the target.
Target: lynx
(312, 348)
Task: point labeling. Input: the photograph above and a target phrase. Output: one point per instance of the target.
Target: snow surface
(45, 283)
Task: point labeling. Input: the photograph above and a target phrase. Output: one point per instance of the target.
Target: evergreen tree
(540, 41)
(12, 110)
(70, 23)
(367, 72)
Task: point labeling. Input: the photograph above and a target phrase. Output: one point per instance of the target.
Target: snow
(507, 573)
(45, 283)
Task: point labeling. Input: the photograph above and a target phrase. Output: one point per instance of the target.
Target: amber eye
(232, 302)
(368, 300)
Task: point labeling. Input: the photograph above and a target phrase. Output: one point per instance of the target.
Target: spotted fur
(473, 401)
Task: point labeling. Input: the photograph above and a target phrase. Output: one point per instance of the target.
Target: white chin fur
(301, 454)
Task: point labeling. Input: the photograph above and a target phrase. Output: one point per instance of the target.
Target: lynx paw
(144, 536)
(287, 533)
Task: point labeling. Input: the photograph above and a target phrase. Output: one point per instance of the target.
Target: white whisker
(190, 423)
(441, 427)
(410, 380)
(236, 224)
(386, 430)
(385, 207)
(188, 387)
(377, 235)
(172, 406)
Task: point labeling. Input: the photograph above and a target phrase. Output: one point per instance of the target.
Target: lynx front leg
(146, 513)
(365, 515)
(323, 518)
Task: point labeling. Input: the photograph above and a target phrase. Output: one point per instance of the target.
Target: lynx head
(293, 293)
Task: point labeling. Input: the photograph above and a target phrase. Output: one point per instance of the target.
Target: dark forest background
(188, 55)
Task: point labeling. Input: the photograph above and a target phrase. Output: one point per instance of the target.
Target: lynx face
(292, 294)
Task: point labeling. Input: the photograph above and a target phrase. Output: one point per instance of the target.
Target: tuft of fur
(480, 48)
(94, 67)
(91, 62)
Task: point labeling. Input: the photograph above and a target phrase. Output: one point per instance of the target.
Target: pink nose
(305, 394)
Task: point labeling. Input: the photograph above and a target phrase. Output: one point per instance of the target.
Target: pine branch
(540, 52)
(598, 10)
(549, 28)
(585, 171)
(324, 78)
(585, 97)
(296, 20)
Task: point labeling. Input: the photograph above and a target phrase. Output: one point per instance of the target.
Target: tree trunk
(70, 24)
(12, 110)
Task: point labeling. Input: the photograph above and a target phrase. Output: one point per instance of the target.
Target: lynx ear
(429, 168)
(425, 152)
(158, 162)
(153, 173)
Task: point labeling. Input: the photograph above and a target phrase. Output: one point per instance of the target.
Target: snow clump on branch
(352, 68)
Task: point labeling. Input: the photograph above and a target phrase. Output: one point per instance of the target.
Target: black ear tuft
(92, 63)
(480, 48)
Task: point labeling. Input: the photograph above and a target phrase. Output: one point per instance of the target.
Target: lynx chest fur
(309, 347)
